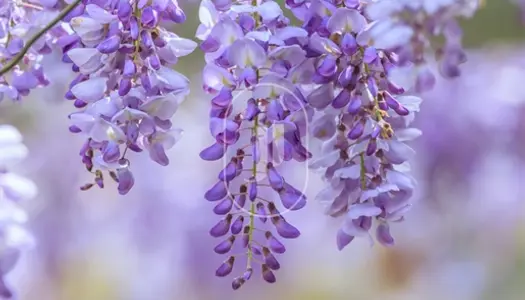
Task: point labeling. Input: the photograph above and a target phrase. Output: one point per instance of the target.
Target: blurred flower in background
(14, 238)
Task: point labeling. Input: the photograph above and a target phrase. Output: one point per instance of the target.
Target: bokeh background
(463, 240)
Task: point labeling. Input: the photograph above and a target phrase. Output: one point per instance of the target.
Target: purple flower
(126, 87)
(242, 44)
(361, 116)
(409, 38)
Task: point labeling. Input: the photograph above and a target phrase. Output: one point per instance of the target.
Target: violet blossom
(407, 28)
(126, 88)
(362, 113)
(258, 117)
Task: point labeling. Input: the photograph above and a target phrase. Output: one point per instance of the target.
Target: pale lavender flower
(14, 238)
(406, 28)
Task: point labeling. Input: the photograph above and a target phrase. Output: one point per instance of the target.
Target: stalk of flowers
(23, 42)
(126, 88)
(362, 117)
(14, 238)
(409, 28)
(251, 50)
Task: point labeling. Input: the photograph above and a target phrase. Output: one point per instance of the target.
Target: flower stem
(252, 206)
(37, 36)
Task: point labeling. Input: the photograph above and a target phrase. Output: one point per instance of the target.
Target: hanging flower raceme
(19, 22)
(258, 118)
(126, 87)
(362, 117)
(410, 27)
(14, 238)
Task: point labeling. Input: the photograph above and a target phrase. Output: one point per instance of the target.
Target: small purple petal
(217, 192)
(223, 207)
(355, 105)
(251, 110)
(222, 227)
(343, 239)
(261, 212)
(383, 235)
(111, 153)
(275, 179)
(237, 283)
(342, 99)
(252, 191)
(291, 198)
(210, 45)
(230, 171)
(270, 260)
(371, 148)
(125, 180)
(348, 44)
(267, 274)
(240, 200)
(225, 246)
(285, 229)
(213, 152)
(158, 154)
(274, 244)
(327, 67)
(357, 131)
(236, 227)
(109, 45)
(226, 267)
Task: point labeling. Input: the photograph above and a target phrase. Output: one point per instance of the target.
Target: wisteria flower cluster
(345, 73)
(247, 55)
(22, 46)
(14, 238)
(126, 86)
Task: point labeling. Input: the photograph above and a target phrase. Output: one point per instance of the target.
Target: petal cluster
(126, 89)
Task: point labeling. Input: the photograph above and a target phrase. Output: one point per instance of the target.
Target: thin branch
(37, 36)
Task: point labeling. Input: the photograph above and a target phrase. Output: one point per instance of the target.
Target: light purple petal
(269, 11)
(90, 90)
(346, 20)
(247, 53)
(363, 209)
(99, 14)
